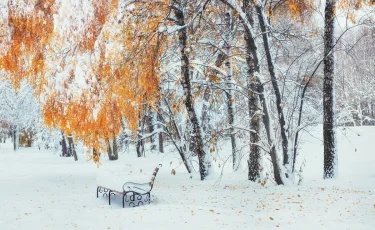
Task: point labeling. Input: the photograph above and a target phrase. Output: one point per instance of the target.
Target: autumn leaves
(91, 69)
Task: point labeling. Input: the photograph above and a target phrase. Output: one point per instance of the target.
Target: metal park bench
(135, 194)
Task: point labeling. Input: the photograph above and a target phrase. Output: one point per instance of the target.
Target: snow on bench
(139, 181)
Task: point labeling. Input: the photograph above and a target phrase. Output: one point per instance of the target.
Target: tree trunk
(64, 146)
(114, 150)
(140, 144)
(229, 94)
(267, 126)
(204, 160)
(109, 149)
(160, 134)
(72, 148)
(152, 129)
(271, 69)
(15, 138)
(329, 131)
(252, 81)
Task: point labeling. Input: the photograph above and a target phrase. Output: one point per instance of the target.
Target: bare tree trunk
(109, 149)
(64, 146)
(204, 160)
(160, 134)
(267, 126)
(253, 81)
(140, 144)
(72, 148)
(152, 129)
(229, 94)
(114, 149)
(15, 138)
(271, 69)
(329, 131)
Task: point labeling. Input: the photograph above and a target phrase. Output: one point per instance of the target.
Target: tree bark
(267, 126)
(204, 161)
(64, 146)
(329, 132)
(72, 148)
(140, 144)
(115, 149)
(109, 149)
(229, 94)
(152, 129)
(112, 151)
(252, 81)
(15, 138)
(160, 134)
(271, 69)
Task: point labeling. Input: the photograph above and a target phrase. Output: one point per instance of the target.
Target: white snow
(40, 190)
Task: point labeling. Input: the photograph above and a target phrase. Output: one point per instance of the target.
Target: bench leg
(109, 197)
(97, 192)
(123, 200)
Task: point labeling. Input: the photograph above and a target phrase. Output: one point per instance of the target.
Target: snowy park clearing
(40, 190)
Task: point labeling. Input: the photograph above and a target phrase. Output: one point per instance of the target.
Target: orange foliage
(30, 33)
(298, 7)
(121, 83)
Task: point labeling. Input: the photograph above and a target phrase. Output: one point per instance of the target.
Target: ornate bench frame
(132, 192)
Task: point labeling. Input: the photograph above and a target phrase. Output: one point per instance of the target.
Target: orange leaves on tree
(298, 7)
(120, 82)
(102, 10)
(30, 25)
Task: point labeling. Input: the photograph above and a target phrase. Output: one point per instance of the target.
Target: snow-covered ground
(40, 190)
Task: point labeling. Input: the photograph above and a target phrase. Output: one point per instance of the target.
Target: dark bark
(160, 135)
(204, 165)
(275, 86)
(15, 138)
(109, 149)
(254, 159)
(115, 149)
(161, 143)
(72, 148)
(329, 136)
(140, 141)
(253, 82)
(152, 129)
(65, 152)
